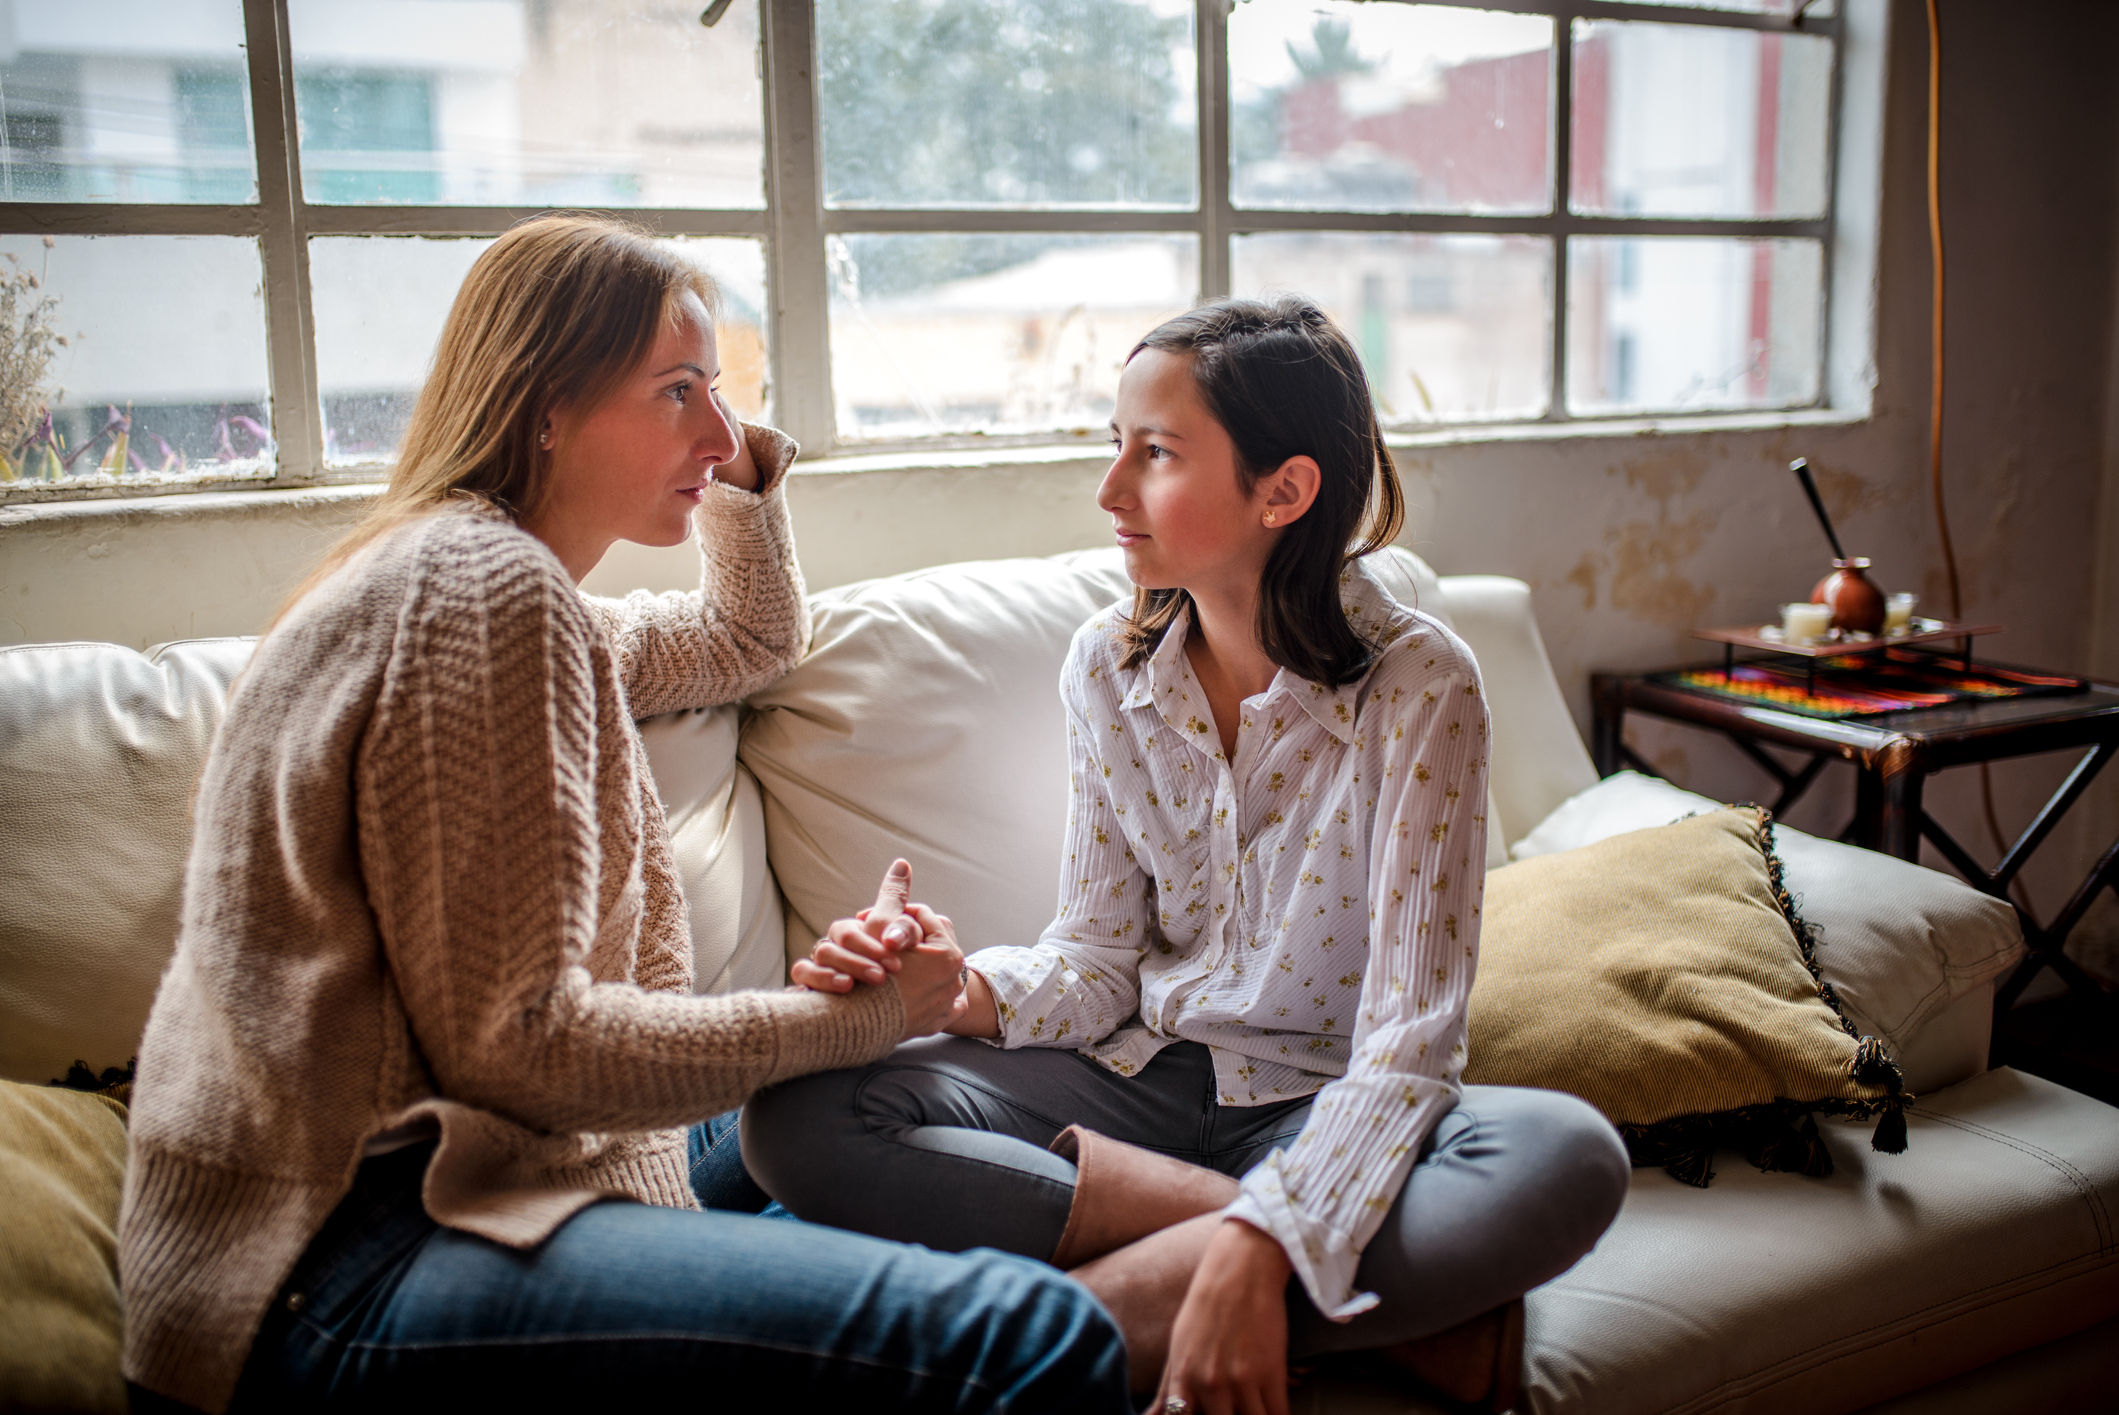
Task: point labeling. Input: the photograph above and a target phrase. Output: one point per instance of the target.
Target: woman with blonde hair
(421, 1103)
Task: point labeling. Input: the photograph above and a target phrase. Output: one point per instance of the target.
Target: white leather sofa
(1977, 1271)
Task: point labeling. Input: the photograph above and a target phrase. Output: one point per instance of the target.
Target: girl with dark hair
(1236, 1055)
(426, 1108)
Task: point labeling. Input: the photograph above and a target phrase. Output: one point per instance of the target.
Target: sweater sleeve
(482, 848)
(747, 623)
(1325, 1196)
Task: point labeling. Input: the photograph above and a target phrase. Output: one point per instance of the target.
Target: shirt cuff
(1324, 1258)
(1013, 975)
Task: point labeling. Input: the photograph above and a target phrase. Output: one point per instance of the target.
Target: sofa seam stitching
(1811, 1350)
(2092, 1199)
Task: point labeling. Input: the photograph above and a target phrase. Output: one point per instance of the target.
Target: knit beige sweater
(430, 879)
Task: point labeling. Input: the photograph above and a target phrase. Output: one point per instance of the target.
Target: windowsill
(1087, 448)
(180, 505)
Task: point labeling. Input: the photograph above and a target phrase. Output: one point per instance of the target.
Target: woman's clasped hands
(893, 936)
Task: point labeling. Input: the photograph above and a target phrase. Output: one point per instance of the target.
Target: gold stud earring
(1270, 517)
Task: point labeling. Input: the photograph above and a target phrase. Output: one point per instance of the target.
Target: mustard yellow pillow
(62, 1163)
(1665, 977)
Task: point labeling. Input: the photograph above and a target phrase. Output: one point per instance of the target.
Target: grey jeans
(943, 1143)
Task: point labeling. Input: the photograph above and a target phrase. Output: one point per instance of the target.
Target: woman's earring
(1271, 516)
(544, 439)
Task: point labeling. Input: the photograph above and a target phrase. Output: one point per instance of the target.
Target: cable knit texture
(430, 883)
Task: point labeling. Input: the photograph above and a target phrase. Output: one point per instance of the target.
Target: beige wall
(1629, 539)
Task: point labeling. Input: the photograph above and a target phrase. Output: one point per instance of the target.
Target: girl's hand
(981, 1016)
(1229, 1347)
(932, 986)
(866, 946)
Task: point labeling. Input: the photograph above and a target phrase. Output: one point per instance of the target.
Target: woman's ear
(1288, 491)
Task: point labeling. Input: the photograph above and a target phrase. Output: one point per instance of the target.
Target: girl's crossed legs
(943, 1143)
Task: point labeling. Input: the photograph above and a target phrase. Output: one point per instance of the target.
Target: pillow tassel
(1872, 1065)
(1890, 1136)
(1694, 1167)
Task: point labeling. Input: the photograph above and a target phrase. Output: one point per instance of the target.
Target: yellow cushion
(62, 1163)
(1664, 977)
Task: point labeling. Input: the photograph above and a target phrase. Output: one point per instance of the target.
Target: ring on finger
(1177, 1405)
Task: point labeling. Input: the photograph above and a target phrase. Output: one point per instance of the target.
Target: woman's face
(1176, 501)
(635, 466)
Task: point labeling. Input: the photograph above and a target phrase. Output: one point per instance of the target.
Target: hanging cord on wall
(1942, 513)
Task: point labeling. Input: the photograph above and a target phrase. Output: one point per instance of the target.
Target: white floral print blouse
(1309, 911)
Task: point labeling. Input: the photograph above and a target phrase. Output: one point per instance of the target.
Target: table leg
(1607, 728)
(1887, 811)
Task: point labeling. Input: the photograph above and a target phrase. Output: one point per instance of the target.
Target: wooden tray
(1924, 631)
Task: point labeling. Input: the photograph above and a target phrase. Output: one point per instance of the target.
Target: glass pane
(132, 359)
(1450, 328)
(1669, 323)
(528, 103)
(1692, 120)
(380, 302)
(1007, 102)
(934, 334)
(106, 101)
(1357, 107)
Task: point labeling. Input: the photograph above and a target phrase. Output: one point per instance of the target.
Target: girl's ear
(1288, 491)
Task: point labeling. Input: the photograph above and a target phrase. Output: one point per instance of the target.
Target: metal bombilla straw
(1801, 467)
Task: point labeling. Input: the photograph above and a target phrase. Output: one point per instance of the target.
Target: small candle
(1805, 623)
(1898, 613)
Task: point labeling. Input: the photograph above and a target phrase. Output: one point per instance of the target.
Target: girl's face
(635, 466)
(1176, 501)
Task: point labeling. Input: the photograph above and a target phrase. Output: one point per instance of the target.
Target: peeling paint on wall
(1671, 471)
(1584, 576)
(1648, 577)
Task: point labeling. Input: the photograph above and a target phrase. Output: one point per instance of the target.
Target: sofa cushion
(1996, 1230)
(1657, 976)
(1913, 954)
(100, 747)
(926, 722)
(62, 1164)
(717, 839)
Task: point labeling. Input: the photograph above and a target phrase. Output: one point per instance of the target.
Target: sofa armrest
(1538, 759)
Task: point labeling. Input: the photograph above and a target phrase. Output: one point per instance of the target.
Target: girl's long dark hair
(1285, 382)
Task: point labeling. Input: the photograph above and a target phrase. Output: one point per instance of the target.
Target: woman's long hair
(554, 315)
(1285, 382)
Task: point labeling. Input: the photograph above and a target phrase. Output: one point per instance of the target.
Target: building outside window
(933, 220)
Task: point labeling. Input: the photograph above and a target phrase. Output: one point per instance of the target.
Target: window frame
(795, 223)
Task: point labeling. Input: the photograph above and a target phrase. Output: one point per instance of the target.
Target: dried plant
(28, 344)
(32, 447)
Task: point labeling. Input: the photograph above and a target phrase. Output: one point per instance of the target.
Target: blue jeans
(629, 1302)
(943, 1143)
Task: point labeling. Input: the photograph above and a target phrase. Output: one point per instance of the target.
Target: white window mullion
(290, 325)
(800, 334)
(1211, 40)
(1562, 147)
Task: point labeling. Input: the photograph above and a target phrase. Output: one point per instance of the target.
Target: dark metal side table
(1893, 755)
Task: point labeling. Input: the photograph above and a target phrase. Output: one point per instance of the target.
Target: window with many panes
(231, 229)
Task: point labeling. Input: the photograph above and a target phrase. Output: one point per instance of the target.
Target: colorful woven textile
(1896, 680)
